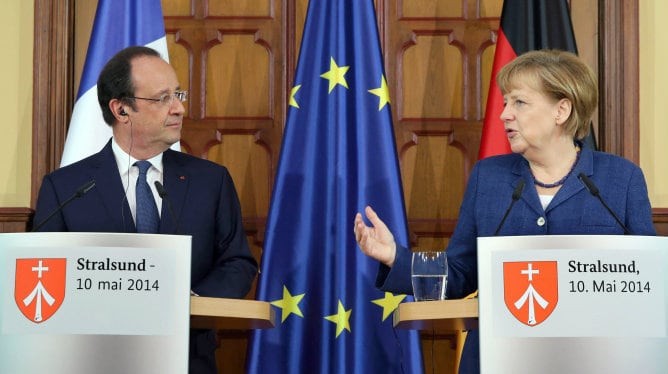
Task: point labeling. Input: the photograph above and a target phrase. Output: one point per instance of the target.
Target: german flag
(525, 25)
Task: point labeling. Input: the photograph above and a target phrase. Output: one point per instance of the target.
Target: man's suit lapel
(176, 180)
(108, 183)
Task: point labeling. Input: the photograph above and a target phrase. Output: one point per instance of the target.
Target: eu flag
(338, 155)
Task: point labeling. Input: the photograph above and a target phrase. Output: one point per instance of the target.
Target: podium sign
(94, 303)
(573, 304)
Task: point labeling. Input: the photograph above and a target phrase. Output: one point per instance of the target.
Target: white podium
(573, 304)
(94, 303)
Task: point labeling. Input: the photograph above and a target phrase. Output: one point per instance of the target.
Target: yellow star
(335, 75)
(293, 92)
(389, 303)
(289, 304)
(382, 92)
(341, 318)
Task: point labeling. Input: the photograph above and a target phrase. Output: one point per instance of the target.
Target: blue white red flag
(118, 24)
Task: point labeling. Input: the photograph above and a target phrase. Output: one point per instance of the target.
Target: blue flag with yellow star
(338, 155)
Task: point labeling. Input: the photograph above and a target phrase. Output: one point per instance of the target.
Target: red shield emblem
(530, 290)
(39, 287)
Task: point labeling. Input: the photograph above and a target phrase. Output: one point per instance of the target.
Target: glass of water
(429, 274)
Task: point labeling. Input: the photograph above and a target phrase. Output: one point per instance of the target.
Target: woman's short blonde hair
(560, 75)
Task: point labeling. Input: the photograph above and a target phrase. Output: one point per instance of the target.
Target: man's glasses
(166, 99)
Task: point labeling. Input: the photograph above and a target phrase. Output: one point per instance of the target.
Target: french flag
(118, 24)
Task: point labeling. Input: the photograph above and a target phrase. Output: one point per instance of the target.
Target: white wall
(16, 65)
(654, 99)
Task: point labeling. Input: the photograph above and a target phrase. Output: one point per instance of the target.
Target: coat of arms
(530, 290)
(39, 287)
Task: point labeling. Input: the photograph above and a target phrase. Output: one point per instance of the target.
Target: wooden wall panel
(237, 77)
(236, 8)
(434, 53)
(490, 8)
(177, 7)
(661, 221)
(427, 177)
(431, 77)
(250, 166)
(431, 8)
(15, 219)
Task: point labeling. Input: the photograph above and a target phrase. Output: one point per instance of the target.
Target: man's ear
(117, 107)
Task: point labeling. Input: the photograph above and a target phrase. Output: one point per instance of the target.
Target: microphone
(79, 193)
(516, 196)
(591, 187)
(164, 196)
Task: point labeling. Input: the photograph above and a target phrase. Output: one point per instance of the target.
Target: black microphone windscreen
(85, 188)
(518, 190)
(591, 187)
(161, 189)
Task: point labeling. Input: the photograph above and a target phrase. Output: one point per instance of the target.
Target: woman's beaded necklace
(560, 181)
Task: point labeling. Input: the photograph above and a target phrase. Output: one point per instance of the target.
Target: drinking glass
(429, 274)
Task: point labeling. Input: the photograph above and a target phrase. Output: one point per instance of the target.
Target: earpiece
(122, 112)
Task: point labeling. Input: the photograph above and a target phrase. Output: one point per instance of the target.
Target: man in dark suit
(141, 100)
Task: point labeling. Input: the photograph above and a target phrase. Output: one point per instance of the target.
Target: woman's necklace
(560, 181)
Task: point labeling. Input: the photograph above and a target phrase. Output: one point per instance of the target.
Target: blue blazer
(572, 211)
(203, 199)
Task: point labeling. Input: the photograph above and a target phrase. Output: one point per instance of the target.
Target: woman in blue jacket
(549, 99)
